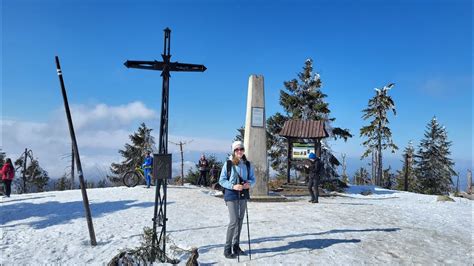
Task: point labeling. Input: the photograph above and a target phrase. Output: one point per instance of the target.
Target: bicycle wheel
(131, 179)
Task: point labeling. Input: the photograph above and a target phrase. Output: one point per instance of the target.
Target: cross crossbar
(158, 65)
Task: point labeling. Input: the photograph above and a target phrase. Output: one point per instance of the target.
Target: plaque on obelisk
(255, 138)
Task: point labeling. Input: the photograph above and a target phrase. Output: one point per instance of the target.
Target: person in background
(8, 173)
(236, 193)
(214, 176)
(202, 165)
(147, 167)
(315, 168)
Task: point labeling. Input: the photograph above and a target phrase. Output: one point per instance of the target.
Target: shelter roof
(304, 129)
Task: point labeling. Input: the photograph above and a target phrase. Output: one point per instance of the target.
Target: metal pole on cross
(165, 66)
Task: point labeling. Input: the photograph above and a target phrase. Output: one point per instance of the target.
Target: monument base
(268, 198)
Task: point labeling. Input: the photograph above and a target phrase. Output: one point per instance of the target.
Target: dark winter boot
(237, 250)
(228, 253)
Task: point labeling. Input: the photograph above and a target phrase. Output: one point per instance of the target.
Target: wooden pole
(317, 149)
(180, 144)
(72, 166)
(288, 165)
(85, 199)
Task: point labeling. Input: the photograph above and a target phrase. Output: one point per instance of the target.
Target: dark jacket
(203, 163)
(316, 169)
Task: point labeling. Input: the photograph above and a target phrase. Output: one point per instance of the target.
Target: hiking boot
(228, 253)
(237, 250)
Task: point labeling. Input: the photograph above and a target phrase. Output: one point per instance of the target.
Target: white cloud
(102, 116)
(101, 130)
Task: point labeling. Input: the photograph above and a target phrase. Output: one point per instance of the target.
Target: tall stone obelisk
(255, 137)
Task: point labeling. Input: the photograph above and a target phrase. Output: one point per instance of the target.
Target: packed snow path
(387, 227)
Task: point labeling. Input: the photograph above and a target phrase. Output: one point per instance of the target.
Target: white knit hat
(237, 144)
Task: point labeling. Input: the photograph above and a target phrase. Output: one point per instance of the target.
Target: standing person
(8, 173)
(315, 169)
(147, 166)
(202, 164)
(236, 182)
(213, 176)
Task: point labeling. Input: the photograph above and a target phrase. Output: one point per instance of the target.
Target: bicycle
(133, 177)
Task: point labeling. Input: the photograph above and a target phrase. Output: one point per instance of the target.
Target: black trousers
(202, 178)
(8, 187)
(313, 184)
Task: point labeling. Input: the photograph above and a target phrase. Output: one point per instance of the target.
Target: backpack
(229, 169)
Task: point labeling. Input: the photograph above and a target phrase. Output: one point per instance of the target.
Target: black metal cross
(160, 199)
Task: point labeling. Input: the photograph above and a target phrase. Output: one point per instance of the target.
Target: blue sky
(425, 47)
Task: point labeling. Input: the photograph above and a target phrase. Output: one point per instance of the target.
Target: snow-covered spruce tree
(378, 134)
(303, 99)
(102, 183)
(241, 134)
(434, 168)
(345, 177)
(133, 154)
(388, 178)
(408, 167)
(361, 177)
(276, 145)
(63, 183)
(36, 177)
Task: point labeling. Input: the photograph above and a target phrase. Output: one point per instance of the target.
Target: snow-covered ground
(386, 227)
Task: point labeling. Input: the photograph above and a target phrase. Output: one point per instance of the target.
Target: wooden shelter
(303, 130)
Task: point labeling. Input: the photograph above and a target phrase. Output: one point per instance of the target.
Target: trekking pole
(248, 228)
(238, 223)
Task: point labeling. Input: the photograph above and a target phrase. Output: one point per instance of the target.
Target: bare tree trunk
(346, 179)
(469, 181)
(182, 163)
(24, 171)
(379, 150)
(374, 166)
(405, 185)
(457, 184)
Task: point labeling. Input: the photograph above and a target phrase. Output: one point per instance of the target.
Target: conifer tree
(434, 168)
(361, 177)
(408, 168)
(133, 154)
(102, 183)
(303, 99)
(63, 183)
(277, 146)
(2, 157)
(36, 177)
(379, 135)
(388, 178)
(345, 177)
(241, 134)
